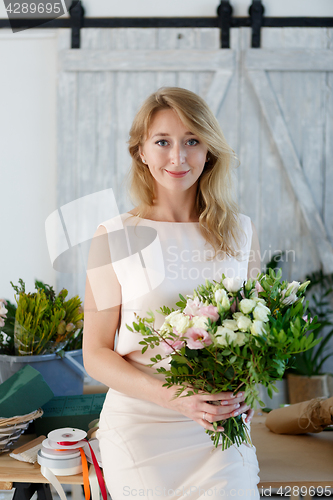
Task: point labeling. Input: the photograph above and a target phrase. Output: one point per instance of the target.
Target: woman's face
(174, 155)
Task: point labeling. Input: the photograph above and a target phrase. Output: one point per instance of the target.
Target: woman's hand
(200, 407)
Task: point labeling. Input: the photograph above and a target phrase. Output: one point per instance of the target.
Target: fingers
(249, 417)
(223, 396)
(206, 423)
(216, 413)
(199, 407)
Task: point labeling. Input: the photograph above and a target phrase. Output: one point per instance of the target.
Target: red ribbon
(97, 469)
(98, 472)
(67, 443)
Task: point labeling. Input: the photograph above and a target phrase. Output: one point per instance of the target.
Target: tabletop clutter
(64, 453)
(66, 450)
(25, 397)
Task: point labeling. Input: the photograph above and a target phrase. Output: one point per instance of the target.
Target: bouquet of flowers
(230, 336)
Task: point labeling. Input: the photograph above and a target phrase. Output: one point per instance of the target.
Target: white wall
(148, 8)
(27, 155)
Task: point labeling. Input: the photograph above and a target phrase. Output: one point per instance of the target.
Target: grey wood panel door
(274, 104)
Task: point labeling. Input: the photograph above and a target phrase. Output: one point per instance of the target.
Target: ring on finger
(204, 416)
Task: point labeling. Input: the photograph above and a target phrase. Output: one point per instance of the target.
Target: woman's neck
(174, 206)
(167, 214)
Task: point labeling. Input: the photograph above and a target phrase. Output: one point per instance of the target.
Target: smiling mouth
(178, 174)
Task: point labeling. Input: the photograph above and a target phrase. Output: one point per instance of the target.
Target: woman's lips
(177, 174)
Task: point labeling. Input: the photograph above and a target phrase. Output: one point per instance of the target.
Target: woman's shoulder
(245, 239)
(245, 222)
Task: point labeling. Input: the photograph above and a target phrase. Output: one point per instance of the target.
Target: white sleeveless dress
(149, 451)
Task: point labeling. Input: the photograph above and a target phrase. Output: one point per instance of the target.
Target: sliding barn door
(101, 86)
(275, 106)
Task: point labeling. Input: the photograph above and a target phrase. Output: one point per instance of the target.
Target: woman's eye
(162, 142)
(192, 142)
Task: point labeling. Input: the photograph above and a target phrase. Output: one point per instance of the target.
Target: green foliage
(227, 364)
(182, 302)
(320, 308)
(42, 322)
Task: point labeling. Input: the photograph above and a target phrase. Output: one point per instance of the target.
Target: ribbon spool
(68, 435)
(62, 454)
(61, 466)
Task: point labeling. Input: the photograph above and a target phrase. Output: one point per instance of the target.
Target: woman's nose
(178, 155)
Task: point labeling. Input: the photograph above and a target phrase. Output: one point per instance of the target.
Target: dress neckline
(160, 221)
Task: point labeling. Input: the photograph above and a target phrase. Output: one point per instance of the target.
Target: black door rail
(224, 21)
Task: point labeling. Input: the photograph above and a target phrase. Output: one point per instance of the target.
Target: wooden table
(292, 462)
(285, 461)
(26, 478)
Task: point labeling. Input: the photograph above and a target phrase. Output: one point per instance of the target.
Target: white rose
(241, 339)
(293, 288)
(244, 323)
(230, 323)
(261, 312)
(172, 315)
(236, 338)
(247, 306)
(287, 301)
(199, 322)
(259, 301)
(257, 328)
(233, 284)
(3, 310)
(180, 322)
(219, 294)
(221, 297)
(221, 334)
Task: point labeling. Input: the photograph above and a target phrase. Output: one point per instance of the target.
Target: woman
(152, 444)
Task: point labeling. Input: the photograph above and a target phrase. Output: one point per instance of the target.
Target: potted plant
(307, 378)
(281, 397)
(45, 331)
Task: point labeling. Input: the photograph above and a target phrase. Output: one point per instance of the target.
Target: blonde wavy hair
(218, 212)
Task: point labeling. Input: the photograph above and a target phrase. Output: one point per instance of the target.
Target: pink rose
(197, 338)
(209, 312)
(2, 322)
(172, 346)
(192, 307)
(259, 288)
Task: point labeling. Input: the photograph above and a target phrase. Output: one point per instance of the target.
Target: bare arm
(100, 326)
